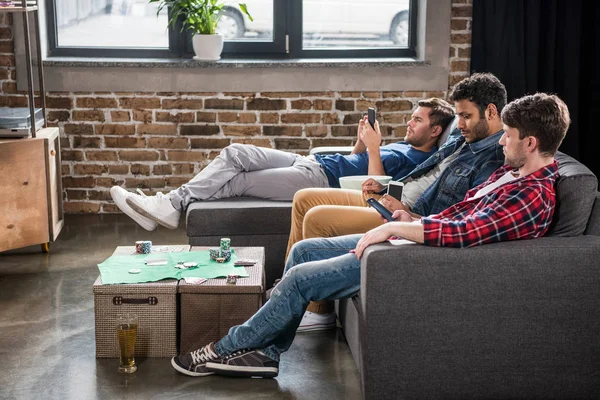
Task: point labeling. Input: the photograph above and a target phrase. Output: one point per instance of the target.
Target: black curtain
(545, 46)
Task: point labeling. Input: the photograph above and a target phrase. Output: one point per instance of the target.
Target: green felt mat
(115, 269)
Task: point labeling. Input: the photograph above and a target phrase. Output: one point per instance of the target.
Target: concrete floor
(47, 347)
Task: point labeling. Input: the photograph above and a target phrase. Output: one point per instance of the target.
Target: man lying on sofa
(462, 163)
(516, 202)
(247, 170)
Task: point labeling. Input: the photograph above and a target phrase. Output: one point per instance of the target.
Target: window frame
(286, 43)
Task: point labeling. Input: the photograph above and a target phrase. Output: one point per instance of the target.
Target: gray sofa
(517, 319)
(250, 221)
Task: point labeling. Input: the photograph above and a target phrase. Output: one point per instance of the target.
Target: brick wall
(158, 141)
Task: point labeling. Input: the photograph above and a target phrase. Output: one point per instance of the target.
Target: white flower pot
(207, 47)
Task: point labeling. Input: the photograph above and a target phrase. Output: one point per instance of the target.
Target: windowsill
(233, 63)
(428, 71)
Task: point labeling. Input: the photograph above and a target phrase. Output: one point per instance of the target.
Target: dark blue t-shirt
(398, 160)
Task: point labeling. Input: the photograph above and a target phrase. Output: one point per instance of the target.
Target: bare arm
(372, 139)
(407, 230)
(359, 147)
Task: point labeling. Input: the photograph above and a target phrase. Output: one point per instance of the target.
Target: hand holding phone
(395, 189)
(385, 213)
(371, 116)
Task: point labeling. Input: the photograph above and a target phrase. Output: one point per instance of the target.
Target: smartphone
(385, 213)
(395, 189)
(371, 115)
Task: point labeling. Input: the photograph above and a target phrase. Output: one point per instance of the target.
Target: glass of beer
(126, 333)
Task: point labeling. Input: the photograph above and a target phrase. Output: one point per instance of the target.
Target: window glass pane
(110, 23)
(235, 25)
(355, 24)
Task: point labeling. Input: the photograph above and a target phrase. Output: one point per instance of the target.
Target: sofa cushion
(575, 194)
(240, 216)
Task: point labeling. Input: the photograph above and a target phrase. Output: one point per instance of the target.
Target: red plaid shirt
(519, 209)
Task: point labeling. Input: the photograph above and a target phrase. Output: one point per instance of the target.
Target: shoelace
(203, 355)
(237, 353)
(141, 193)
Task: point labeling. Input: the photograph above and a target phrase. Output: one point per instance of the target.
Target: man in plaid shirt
(516, 202)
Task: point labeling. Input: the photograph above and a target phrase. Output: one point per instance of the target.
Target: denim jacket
(473, 166)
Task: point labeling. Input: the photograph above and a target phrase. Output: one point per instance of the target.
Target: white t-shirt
(413, 188)
(509, 176)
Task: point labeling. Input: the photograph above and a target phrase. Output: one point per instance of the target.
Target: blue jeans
(316, 269)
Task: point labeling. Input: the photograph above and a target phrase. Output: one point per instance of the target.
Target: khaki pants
(328, 213)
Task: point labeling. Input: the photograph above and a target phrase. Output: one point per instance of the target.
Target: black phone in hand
(385, 213)
(371, 115)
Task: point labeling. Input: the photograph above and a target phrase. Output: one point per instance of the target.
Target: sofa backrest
(593, 226)
(576, 192)
(444, 136)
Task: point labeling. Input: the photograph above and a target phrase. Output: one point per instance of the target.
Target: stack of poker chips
(223, 253)
(143, 247)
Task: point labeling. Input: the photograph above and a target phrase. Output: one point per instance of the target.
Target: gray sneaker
(194, 363)
(246, 363)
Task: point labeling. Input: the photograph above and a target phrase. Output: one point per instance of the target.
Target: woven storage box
(155, 304)
(208, 310)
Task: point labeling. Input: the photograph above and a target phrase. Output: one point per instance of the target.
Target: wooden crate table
(208, 310)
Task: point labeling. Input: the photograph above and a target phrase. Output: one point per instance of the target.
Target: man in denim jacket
(467, 159)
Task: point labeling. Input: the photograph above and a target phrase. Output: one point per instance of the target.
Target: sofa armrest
(495, 321)
(344, 150)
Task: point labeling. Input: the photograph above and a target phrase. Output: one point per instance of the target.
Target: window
(281, 28)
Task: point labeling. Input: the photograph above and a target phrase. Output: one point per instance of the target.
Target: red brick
(302, 104)
(183, 104)
(344, 105)
(138, 155)
(86, 142)
(59, 102)
(81, 207)
(101, 156)
(174, 117)
(78, 182)
(265, 104)
(206, 117)
(257, 142)
(140, 169)
(78, 129)
(292, 144)
(394, 105)
(224, 104)
(200, 130)
(212, 143)
(157, 129)
(90, 169)
(118, 169)
(120, 116)
(96, 102)
(318, 130)
(300, 118)
(343, 131)
(241, 130)
(168, 143)
(137, 102)
(71, 155)
(114, 129)
(124, 142)
(179, 155)
(142, 115)
(282, 130)
(88, 115)
(183, 169)
(269, 118)
(162, 169)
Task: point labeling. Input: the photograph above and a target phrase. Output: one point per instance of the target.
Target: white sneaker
(158, 208)
(317, 322)
(120, 196)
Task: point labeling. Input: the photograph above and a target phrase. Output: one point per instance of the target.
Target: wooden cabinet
(31, 209)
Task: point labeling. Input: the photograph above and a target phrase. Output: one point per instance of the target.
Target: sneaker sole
(187, 372)
(142, 221)
(140, 210)
(249, 372)
(312, 328)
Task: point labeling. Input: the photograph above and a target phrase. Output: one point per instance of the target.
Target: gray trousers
(247, 170)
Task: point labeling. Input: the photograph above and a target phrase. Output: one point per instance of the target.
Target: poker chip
(135, 271)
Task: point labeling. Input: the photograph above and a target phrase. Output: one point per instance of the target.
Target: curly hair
(544, 116)
(441, 112)
(482, 89)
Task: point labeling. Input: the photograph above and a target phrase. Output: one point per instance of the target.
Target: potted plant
(201, 18)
